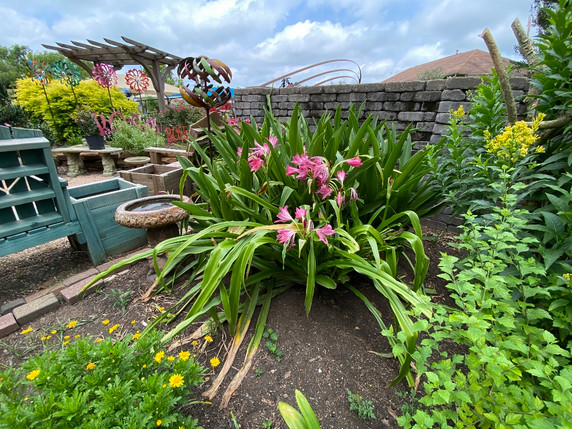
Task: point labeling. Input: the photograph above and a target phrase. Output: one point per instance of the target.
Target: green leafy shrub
(135, 137)
(514, 373)
(14, 115)
(91, 96)
(177, 116)
(126, 383)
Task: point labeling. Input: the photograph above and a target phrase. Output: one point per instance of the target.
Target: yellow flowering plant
(112, 383)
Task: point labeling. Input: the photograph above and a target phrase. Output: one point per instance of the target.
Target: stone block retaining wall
(425, 104)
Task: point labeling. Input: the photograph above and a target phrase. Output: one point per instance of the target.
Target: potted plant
(86, 122)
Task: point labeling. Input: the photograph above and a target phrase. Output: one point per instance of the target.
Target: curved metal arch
(359, 75)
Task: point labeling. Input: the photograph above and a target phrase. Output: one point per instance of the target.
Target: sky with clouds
(263, 39)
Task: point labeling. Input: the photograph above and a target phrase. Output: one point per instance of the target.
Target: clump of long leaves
(283, 206)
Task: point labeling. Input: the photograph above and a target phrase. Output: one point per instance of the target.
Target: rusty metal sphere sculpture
(202, 70)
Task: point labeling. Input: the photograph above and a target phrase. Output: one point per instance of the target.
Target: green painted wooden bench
(35, 205)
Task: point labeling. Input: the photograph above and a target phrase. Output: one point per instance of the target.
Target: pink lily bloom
(341, 175)
(255, 163)
(354, 162)
(283, 215)
(353, 195)
(286, 236)
(324, 191)
(339, 199)
(320, 171)
(239, 152)
(290, 171)
(323, 232)
(273, 141)
(301, 213)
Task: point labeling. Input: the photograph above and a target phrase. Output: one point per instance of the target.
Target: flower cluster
(258, 154)
(515, 141)
(301, 225)
(316, 169)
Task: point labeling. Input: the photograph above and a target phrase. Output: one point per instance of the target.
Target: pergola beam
(118, 54)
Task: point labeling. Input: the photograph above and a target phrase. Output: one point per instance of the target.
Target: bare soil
(334, 349)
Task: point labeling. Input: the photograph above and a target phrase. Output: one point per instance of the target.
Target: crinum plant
(283, 206)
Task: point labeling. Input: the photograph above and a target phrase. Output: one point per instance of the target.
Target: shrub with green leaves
(127, 383)
(135, 136)
(91, 96)
(513, 372)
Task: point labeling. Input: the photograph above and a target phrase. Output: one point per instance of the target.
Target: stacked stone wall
(424, 104)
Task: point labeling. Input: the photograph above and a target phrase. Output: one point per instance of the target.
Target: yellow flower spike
(106, 322)
(32, 375)
(90, 366)
(184, 355)
(26, 331)
(215, 362)
(159, 356)
(176, 380)
(72, 324)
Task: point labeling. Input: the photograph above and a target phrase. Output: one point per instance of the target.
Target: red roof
(471, 63)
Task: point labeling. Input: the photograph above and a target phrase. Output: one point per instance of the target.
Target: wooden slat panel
(17, 226)
(22, 171)
(26, 197)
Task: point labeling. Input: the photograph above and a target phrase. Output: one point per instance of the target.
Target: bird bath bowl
(156, 213)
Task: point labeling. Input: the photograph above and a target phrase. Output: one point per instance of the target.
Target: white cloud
(261, 39)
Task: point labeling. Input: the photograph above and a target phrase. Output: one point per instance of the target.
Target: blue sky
(262, 39)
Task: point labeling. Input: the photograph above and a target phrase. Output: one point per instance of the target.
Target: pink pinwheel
(137, 80)
(106, 77)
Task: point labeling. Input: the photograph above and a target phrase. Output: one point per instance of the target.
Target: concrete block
(73, 293)
(410, 116)
(35, 309)
(436, 85)
(80, 276)
(453, 95)
(8, 325)
(9, 306)
(427, 96)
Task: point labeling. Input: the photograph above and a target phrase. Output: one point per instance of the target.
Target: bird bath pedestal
(156, 213)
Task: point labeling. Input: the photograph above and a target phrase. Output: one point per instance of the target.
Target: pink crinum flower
(303, 228)
(354, 162)
(258, 154)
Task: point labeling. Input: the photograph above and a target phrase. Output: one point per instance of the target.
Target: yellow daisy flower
(72, 324)
(184, 355)
(136, 335)
(113, 328)
(159, 356)
(90, 366)
(26, 331)
(215, 362)
(53, 332)
(159, 422)
(209, 339)
(106, 322)
(32, 375)
(176, 380)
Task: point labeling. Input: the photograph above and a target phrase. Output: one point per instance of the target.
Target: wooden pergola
(119, 54)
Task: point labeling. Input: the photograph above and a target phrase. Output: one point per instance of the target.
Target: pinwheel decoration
(41, 74)
(67, 73)
(137, 81)
(106, 77)
(204, 94)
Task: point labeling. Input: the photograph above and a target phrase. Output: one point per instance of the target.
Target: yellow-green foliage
(90, 95)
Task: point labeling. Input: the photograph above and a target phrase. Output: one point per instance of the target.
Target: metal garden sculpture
(68, 74)
(137, 81)
(204, 94)
(106, 77)
(41, 74)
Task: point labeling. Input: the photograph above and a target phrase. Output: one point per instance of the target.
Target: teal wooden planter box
(95, 205)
